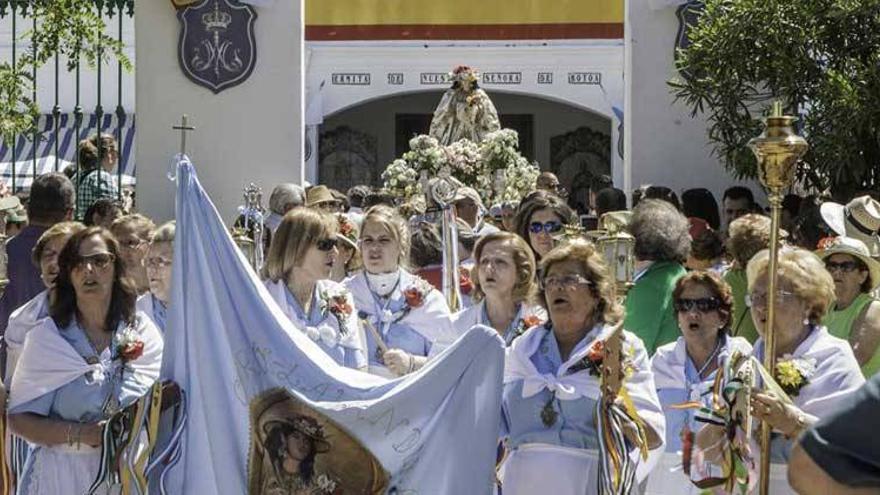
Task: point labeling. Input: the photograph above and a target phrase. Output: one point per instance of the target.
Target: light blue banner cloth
(228, 342)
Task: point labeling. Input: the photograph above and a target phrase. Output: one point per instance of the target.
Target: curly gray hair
(661, 231)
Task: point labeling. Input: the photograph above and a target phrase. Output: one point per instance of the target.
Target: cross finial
(183, 127)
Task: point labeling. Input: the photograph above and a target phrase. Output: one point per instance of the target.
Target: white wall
(663, 144)
(408, 61)
(248, 133)
(550, 119)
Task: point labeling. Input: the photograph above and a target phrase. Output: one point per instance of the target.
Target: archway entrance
(357, 143)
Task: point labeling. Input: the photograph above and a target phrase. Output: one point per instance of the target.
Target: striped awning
(53, 151)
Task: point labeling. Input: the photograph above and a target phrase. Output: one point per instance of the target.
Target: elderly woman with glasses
(133, 233)
(405, 319)
(855, 315)
(297, 272)
(29, 316)
(105, 355)
(685, 370)
(551, 380)
(540, 218)
(504, 280)
(816, 371)
(157, 261)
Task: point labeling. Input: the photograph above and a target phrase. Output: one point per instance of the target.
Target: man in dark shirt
(841, 454)
(52, 199)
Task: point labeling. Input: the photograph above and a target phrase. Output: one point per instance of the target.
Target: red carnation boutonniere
(338, 304)
(415, 297)
(465, 284)
(592, 362)
(525, 323)
(129, 346)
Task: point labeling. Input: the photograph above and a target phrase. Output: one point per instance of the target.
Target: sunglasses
(703, 305)
(326, 244)
(547, 227)
(845, 266)
(99, 261)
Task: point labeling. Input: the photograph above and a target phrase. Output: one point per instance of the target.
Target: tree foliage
(75, 30)
(820, 57)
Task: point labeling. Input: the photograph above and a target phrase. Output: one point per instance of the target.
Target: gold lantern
(778, 150)
(618, 249)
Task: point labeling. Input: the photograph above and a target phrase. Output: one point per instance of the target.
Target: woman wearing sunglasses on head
(541, 217)
(685, 370)
(817, 371)
(504, 283)
(297, 272)
(552, 385)
(405, 319)
(855, 314)
(104, 356)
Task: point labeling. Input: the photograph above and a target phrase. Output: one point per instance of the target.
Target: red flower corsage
(414, 297)
(128, 346)
(592, 362)
(465, 284)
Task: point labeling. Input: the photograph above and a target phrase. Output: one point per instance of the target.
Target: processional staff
(778, 150)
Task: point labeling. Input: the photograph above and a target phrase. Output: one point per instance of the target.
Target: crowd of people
(361, 276)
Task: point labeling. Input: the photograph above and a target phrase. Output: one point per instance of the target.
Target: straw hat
(856, 249)
(318, 195)
(306, 425)
(348, 231)
(858, 219)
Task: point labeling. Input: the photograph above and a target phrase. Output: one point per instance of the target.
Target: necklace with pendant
(548, 413)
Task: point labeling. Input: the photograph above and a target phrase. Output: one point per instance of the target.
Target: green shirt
(649, 311)
(742, 324)
(840, 324)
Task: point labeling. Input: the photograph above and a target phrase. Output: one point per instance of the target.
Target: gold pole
(777, 150)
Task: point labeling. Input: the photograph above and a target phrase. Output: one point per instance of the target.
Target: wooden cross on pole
(183, 128)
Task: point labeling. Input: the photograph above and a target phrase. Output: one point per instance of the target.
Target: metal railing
(59, 131)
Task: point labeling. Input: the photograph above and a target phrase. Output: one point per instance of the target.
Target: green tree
(71, 28)
(820, 57)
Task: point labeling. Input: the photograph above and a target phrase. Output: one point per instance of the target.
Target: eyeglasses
(99, 261)
(703, 305)
(326, 244)
(844, 266)
(157, 263)
(568, 282)
(753, 300)
(548, 227)
(132, 243)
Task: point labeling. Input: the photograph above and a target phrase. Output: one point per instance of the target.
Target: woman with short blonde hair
(160, 255)
(817, 371)
(504, 283)
(552, 380)
(405, 319)
(297, 271)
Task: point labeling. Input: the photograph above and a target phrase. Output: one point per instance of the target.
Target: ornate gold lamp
(618, 249)
(248, 235)
(778, 150)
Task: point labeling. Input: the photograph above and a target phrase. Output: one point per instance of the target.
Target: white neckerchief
(383, 284)
(519, 366)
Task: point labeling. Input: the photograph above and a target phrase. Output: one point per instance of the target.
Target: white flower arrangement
(473, 164)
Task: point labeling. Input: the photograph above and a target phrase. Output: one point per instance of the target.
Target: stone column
(252, 132)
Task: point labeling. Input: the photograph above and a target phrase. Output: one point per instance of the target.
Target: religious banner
(217, 48)
(270, 413)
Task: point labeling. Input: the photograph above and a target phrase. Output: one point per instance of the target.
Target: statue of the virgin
(465, 112)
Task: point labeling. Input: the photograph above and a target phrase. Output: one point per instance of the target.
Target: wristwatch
(800, 424)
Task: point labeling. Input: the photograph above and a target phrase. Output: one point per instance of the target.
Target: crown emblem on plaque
(216, 20)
